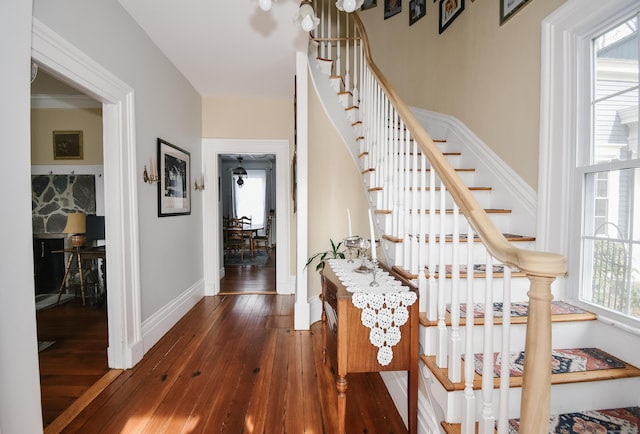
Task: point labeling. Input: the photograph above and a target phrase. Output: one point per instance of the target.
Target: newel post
(536, 382)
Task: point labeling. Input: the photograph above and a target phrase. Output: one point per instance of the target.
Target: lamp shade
(76, 223)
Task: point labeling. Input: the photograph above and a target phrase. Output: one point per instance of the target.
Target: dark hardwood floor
(234, 364)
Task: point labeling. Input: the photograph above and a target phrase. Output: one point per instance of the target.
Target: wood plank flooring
(234, 364)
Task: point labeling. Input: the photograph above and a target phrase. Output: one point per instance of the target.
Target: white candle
(373, 238)
(349, 220)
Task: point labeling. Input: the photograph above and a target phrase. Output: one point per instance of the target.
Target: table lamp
(76, 226)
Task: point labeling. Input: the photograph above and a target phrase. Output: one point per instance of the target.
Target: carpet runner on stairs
(617, 420)
(519, 309)
(563, 361)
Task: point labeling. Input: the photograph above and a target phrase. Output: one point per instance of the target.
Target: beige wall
(334, 185)
(243, 118)
(486, 75)
(45, 121)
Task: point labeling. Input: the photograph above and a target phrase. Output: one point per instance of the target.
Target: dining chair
(234, 239)
(262, 241)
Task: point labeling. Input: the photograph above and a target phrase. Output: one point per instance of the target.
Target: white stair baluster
(503, 412)
(441, 356)
(487, 421)
(468, 425)
(455, 341)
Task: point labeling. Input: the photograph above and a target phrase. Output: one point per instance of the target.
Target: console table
(347, 342)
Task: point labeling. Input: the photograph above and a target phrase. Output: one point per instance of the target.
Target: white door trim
(212, 246)
(64, 61)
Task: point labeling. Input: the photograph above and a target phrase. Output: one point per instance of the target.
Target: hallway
(234, 364)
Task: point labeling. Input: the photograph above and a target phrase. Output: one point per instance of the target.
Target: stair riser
(386, 221)
(564, 398)
(467, 177)
(479, 255)
(483, 197)
(565, 335)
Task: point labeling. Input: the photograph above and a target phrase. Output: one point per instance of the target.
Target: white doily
(385, 308)
(384, 314)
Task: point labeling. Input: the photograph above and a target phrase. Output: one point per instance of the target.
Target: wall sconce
(151, 176)
(198, 184)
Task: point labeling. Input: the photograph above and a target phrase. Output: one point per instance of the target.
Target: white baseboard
(315, 309)
(158, 324)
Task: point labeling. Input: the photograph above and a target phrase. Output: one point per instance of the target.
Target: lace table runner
(385, 308)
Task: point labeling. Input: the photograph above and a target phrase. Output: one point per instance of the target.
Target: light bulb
(349, 5)
(307, 23)
(265, 5)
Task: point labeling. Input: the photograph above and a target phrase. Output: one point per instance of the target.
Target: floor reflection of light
(248, 424)
(137, 424)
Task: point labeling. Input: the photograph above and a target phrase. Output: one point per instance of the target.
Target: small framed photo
(449, 11)
(392, 7)
(67, 145)
(508, 8)
(368, 4)
(174, 168)
(417, 10)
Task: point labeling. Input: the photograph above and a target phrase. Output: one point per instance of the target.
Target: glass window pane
(611, 242)
(615, 94)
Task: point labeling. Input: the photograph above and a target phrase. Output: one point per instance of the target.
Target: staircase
(466, 246)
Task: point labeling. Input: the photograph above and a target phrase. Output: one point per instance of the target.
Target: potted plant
(334, 253)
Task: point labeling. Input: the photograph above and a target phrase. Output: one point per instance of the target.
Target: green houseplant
(335, 252)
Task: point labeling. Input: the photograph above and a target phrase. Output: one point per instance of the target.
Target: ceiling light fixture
(265, 5)
(306, 17)
(240, 172)
(349, 5)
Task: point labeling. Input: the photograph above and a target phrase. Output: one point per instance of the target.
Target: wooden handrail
(529, 261)
(541, 267)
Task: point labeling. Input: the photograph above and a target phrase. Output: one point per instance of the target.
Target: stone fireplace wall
(54, 196)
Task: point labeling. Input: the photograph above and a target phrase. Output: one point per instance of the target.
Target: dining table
(247, 231)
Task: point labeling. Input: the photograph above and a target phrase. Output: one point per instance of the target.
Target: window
(588, 184)
(250, 198)
(608, 170)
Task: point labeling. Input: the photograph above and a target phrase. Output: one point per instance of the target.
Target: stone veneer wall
(54, 196)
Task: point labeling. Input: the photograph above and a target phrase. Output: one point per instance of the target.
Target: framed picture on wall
(392, 7)
(174, 192)
(67, 145)
(508, 8)
(368, 4)
(449, 11)
(417, 10)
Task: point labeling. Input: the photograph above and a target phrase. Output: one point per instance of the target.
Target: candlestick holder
(363, 246)
(352, 243)
(374, 266)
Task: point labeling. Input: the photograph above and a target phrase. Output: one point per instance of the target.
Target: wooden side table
(346, 341)
(79, 254)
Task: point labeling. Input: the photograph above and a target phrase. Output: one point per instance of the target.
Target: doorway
(68, 64)
(212, 151)
(71, 324)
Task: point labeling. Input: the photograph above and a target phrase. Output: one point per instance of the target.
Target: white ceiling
(226, 47)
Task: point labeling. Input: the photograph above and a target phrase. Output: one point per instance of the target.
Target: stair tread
(450, 211)
(560, 312)
(624, 416)
(476, 238)
(628, 371)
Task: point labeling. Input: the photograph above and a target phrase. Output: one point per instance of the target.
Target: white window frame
(564, 105)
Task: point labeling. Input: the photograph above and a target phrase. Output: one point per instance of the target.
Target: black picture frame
(174, 169)
(392, 7)
(508, 8)
(369, 4)
(417, 10)
(449, 11)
